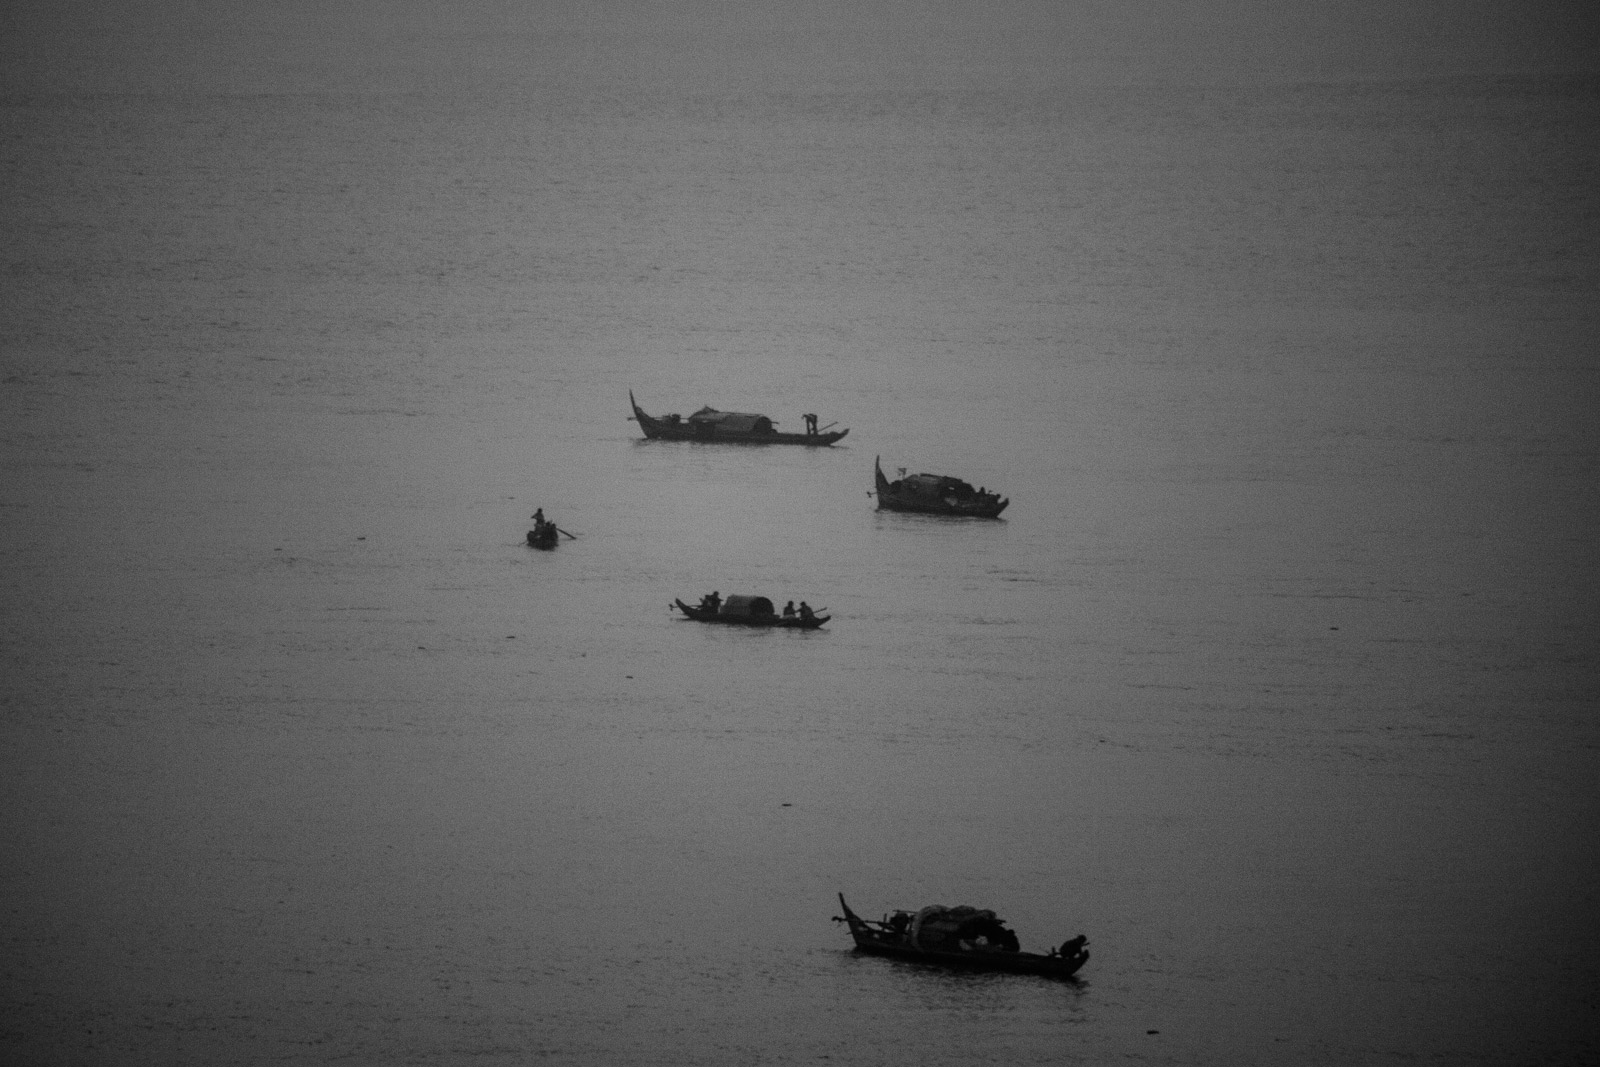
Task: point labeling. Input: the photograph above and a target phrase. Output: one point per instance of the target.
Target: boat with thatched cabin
(729, 427)
(739, 610)
(964, 937)
(935, 494)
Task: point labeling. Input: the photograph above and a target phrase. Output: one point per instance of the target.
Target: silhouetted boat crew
(544, 533)
(739, 610)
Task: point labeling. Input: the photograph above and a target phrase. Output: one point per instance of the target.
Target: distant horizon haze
(498, 47)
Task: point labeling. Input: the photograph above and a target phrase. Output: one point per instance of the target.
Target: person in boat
(811, 425)
(1070, 948)
(805, 611)
(788, 610)
(712, 602)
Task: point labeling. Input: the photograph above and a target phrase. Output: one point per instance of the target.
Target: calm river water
(1277, 680)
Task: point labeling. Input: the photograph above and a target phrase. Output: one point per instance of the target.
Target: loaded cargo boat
(730, 427)
(935, 494)
(963, 937)
(739, 610)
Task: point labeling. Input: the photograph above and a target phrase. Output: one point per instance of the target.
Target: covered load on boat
(731, 421)
(939, 927)
(747, 607)
(935, 485)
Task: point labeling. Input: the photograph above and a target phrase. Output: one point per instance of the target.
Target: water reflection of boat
(711, 425)
(936, 494)
(959, 937)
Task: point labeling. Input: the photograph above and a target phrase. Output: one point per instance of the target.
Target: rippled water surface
(1277, 680)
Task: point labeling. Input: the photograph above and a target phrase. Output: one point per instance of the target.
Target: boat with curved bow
(964, 937)
(710, 426)
(935, 494)
(739, 610)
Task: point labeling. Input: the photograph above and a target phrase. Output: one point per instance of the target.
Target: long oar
(835, 422)
(560, 530)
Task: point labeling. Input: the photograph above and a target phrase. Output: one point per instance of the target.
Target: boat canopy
(747, 606)
(731, 421)
(939, 927)
(937, 485)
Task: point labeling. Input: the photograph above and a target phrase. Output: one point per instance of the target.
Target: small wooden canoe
(711, 426)
(544, 536)
(959, 937)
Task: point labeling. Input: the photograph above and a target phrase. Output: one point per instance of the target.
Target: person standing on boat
(811, 425)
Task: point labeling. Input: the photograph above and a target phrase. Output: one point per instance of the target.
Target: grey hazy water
(1277, 681)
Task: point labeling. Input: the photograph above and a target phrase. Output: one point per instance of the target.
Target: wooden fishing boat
(544, 536)
(750, 611)
(935, 494)
(728, 427)
(959, 937)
